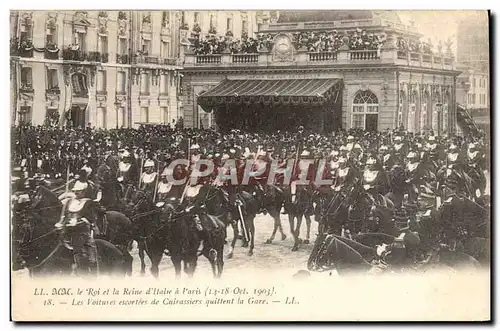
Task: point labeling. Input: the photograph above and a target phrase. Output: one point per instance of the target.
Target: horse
(117, 228)
(331, 251)
(147, 228)
(298, 204)
(224, 208)
(37, 245)
(105, 178)
(212, 237)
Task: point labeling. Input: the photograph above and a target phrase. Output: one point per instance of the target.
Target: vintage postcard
(257, 165)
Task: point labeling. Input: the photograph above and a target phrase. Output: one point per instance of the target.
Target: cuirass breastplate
(370, 176)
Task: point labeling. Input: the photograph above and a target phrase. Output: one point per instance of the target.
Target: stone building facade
(383, 88)
(104, 68)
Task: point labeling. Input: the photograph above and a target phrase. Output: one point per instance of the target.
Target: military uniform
(77, 223)
(148, 177)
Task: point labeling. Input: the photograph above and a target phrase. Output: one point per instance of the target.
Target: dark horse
(298, 204)
(37, 245)
(229, 212)
(175, 230)
(105, 178)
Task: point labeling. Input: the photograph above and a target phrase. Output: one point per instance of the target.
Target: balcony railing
(245, 58)
(53, 90)
(27, 88)
(322, 56)
(415, 57)
(51, 55)
(26, 53)
(364, 55)
(208, 59)
(72, 55)
(155, 60)
(169, 61)
(80, 94)
(403, 55)
(98, 57)
(122, 59)
(344, 57)
(102, 92)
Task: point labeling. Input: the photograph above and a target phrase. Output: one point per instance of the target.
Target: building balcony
(98, 57)
(51, 55)
(155, 61)
(78, 55)
(75, 55)
(53, 90)
(122, 59)
(25, 53)
(340, 57)
(26, 88)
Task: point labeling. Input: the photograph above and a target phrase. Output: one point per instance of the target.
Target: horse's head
(42, 197)
(319, 257)
(103, 174)
(140, 201)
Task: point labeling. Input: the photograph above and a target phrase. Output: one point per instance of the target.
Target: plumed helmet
(79, 186)
(371, 161)
(149, 163)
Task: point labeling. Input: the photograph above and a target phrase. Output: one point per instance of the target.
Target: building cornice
(200, 71)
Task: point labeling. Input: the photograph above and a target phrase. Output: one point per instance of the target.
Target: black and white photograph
(249, 165)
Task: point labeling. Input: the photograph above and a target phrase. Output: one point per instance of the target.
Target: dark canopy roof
(267, 92)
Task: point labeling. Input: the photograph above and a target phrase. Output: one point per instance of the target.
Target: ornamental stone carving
(51, 20)
(283, 49)
(103, 24)
(122, 27)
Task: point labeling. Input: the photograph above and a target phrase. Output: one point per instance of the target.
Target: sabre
(140, 173)
(187, 181)
(156, 180)
(66, 189)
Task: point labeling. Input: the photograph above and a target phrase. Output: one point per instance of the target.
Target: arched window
(365, 111)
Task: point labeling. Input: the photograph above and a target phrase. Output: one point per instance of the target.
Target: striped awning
(270, 92)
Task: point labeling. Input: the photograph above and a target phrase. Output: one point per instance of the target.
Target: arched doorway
(365, 111)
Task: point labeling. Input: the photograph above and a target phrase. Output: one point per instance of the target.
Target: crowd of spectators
(312, 41)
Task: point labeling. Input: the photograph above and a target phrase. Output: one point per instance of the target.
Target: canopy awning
(271, 92)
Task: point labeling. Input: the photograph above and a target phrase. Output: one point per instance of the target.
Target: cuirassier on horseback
(149, 178)
(127, 173)
(78, 225)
